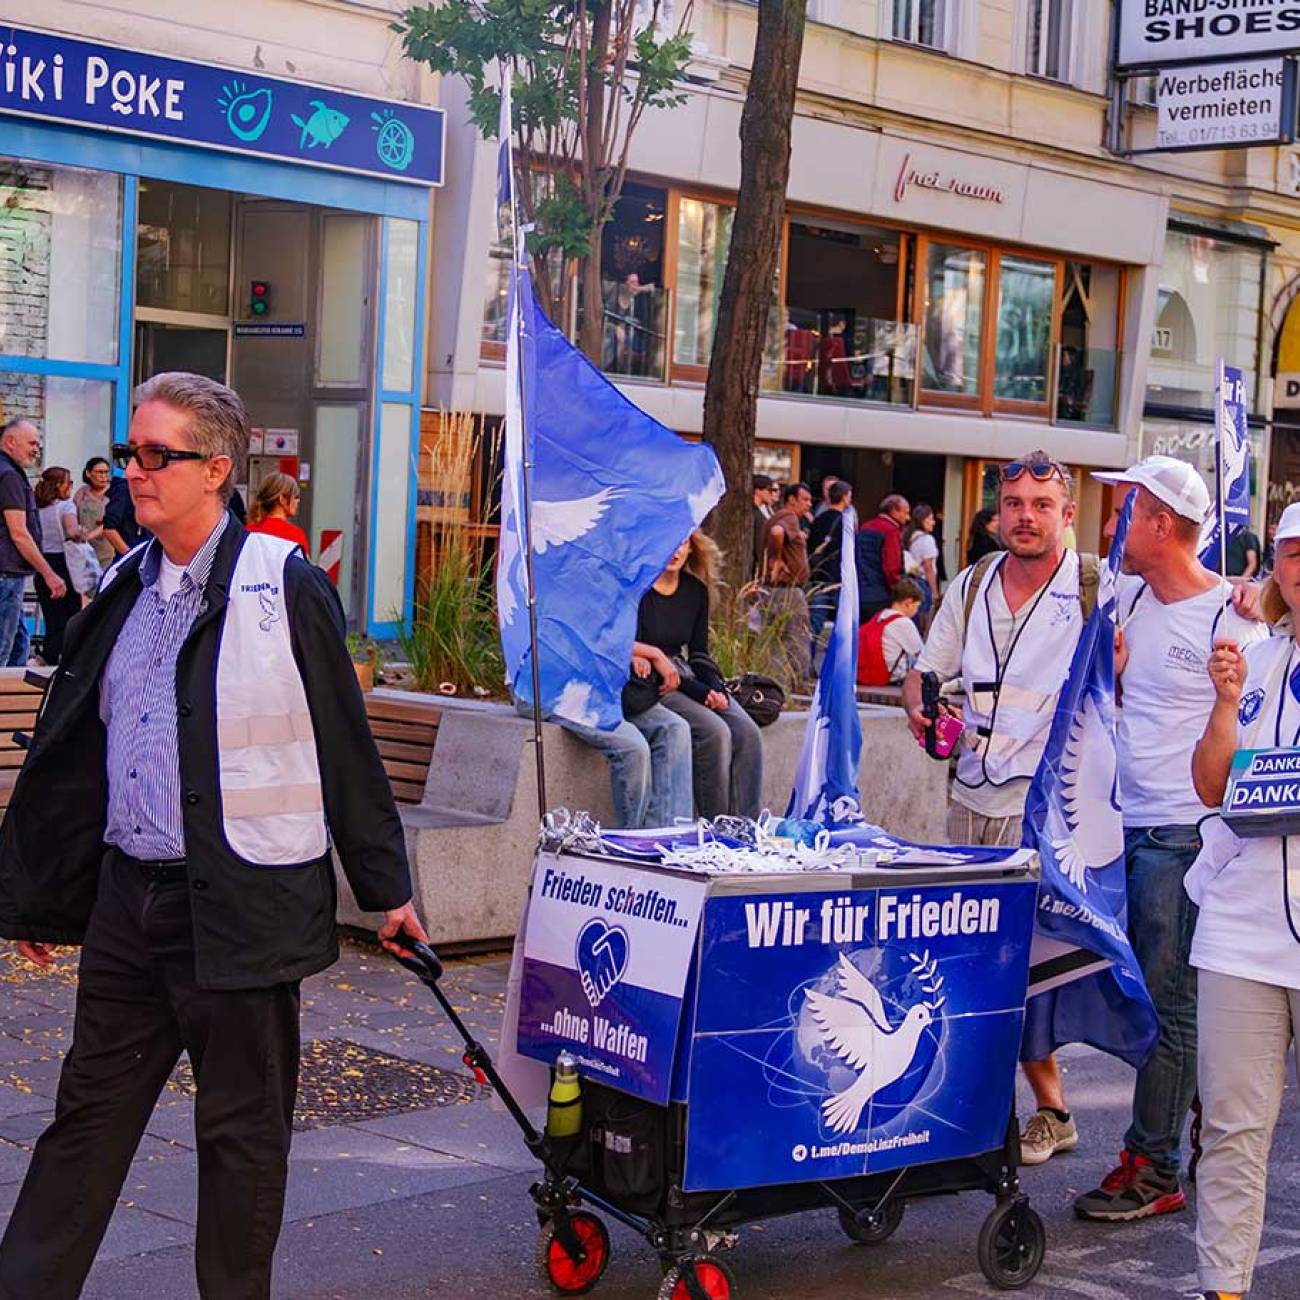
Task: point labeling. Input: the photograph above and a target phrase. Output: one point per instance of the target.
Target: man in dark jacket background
(119, 837)
(880, 556)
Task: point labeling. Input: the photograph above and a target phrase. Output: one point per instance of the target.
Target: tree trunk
(735, 366)
(591, 330)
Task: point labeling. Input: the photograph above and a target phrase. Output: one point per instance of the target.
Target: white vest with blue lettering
(272, 806)
(1011, 698)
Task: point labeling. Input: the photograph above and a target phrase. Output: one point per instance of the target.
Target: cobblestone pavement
(405, 1182)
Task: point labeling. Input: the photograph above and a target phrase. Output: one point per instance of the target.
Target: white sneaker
(1044, 1136)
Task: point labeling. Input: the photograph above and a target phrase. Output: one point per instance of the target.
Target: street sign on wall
(1214, 105)
(1160, 33)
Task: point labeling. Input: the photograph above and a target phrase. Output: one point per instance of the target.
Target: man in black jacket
(120, 837)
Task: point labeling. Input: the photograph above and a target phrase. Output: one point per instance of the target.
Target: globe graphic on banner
(905, 1052)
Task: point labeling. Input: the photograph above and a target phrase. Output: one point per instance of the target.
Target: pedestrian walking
(726, 745)
(201, 747)
(1008, 630)
(880, 555)
(91, 500)
(763, 500)
(1171, 611)
(921, 558)
(275, 508)
(785, 548)
(57, 518)
(1245, 950)
(983, 539)
(825, 542)
(20, 531)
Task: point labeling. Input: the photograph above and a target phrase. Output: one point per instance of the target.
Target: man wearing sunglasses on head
(1008, 629)
(202, 746)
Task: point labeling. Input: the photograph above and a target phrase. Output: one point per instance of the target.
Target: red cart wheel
(569, 1276)
(712, 1274)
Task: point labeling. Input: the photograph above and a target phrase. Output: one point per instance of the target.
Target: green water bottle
(564, 1109)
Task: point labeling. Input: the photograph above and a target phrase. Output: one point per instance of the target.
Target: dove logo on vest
(1251, 703)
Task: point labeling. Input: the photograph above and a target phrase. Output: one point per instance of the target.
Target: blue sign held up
(87, 84)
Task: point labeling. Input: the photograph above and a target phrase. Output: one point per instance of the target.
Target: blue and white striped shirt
(137, 704)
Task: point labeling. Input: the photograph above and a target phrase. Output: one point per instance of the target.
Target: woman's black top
(679, 626)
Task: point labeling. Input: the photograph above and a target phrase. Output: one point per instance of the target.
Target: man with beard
(1009, 629)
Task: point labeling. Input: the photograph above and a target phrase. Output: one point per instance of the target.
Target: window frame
(1069, 31)
(947, 24)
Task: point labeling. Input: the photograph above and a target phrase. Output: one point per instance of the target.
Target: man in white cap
(1171, 610)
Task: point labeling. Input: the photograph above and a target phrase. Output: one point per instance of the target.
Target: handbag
(761, 697)
(640, 693)
(83, 567)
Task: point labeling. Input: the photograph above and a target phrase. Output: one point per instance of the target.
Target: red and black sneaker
(1136, 1189)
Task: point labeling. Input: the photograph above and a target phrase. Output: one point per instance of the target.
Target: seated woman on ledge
(672, 639)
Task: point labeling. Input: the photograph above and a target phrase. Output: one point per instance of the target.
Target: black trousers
(55, 613)
(138, 1008)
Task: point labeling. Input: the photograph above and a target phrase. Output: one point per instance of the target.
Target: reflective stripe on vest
(1009, 727)
(271, 800)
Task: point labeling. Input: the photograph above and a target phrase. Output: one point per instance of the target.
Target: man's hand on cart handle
(38, 953)
(401, 920)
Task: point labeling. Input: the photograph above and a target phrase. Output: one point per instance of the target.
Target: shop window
(1050, 39)
(954, 317)
(60, 250)
(1208, 307)
(341, 345)
(75, 416)
(183, 249)
(1026, 294)
(399, 304)
(842, 335)
(922, 22)
(1087, 378)
(635, 301)
(703, 237)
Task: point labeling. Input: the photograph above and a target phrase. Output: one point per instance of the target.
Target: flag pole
(516, 255)
(1220, 410)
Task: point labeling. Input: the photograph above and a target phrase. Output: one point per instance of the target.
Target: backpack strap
(982, 566)
(1089, 582)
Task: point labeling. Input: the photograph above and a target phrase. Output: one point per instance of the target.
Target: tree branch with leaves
(583, 74)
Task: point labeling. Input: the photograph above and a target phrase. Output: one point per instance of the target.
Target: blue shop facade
(159, 213)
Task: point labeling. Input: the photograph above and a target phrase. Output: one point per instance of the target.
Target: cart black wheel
(713, 1276)
(876, 1228)
(1011, 1245)
(569, 1276)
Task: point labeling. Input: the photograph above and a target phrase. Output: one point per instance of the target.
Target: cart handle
(418, 957)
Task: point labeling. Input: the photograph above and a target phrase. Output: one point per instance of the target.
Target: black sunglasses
(150, 457)
(1042, 471)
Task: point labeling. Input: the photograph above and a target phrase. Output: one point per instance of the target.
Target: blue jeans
(1161, 921)
(13, 631)
(649, 766)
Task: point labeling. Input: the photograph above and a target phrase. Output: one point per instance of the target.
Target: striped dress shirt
(137, 704)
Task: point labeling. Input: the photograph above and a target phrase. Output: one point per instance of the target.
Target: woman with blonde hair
(672, 639)
(1246, 948)
(273, 508)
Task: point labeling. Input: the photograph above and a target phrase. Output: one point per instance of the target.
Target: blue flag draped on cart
(826, 780)
(1085, 986)
(611, 495)
(1232, 465)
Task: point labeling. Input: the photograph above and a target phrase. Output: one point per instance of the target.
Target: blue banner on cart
(60, 79)
(854, 1032)
(607, 952)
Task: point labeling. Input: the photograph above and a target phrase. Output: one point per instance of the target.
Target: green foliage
(746, 637)
(453, 637)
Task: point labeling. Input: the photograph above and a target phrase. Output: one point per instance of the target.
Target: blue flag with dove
(826, 780)
(611, 494)
(1232, 466)
(1085, 985)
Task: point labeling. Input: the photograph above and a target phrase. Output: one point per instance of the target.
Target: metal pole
(1218, 470)
(517, 254)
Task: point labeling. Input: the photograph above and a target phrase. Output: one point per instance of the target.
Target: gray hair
(218, 420)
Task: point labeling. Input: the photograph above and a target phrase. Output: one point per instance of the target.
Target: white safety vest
(272, 806)
(1011, 691)
(1220, 845)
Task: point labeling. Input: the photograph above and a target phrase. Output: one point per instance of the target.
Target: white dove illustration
(558, 522)
(269, 613)
(856, 1028)
(1087, 775)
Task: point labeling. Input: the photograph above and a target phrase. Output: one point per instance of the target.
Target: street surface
(406, 1183)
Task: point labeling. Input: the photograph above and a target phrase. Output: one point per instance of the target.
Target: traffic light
(259, 298)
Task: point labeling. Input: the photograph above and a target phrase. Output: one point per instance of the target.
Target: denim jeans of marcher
(13, 631)
(669, 737)
(1161, 922)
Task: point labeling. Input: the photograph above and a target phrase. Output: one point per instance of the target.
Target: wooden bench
(19, 700)
(404, 731)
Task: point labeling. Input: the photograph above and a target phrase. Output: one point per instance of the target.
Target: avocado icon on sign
(323, 127)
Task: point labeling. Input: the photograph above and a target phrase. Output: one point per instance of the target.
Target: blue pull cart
(761, 1043)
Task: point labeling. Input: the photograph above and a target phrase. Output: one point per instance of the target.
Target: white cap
(1175, 482)
(1289, 524)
